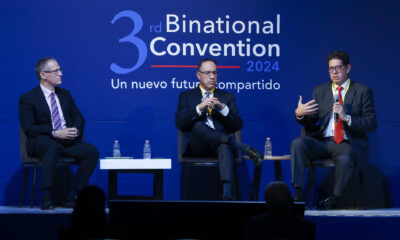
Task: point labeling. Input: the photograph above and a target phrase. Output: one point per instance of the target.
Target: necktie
(207, 95)
(338, 125)
(55, 115)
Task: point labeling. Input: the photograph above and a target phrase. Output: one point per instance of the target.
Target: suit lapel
(63, 100)
(348, 99)
(42, 102)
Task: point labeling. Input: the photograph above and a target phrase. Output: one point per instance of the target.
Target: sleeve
(186, 113)
(27, 119)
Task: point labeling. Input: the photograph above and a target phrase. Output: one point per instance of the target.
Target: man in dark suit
(54, 127)
(209, 117)
(279, 222)
(336, 123)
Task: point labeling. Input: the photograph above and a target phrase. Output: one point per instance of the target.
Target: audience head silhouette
(89, 215)
(278, 198)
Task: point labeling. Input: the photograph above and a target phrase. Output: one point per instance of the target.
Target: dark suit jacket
(268, 226)
(358, 103)
(186, 114)
(35, 116)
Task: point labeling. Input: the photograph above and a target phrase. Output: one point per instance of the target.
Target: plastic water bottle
(268, 147)
(146, 150)
(116, 149)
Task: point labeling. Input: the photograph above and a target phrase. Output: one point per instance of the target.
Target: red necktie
(338, 125)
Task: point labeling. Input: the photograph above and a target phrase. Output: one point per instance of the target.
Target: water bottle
(268, 148)
(116, 149)
(146, 150)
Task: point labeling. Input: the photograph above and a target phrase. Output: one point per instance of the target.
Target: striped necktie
(55, 115)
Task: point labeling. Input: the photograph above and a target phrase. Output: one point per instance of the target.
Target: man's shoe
(298, 195)
(47, 203)
(255, 156)
(327, 203)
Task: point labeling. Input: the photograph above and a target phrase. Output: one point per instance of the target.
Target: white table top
(132, 164)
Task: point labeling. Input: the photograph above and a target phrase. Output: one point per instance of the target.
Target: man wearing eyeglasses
(208, 118)
(336, 122)
(54, 126)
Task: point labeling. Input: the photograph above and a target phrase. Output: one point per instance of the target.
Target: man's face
(338, 72)
(207, 75)
(52, 74)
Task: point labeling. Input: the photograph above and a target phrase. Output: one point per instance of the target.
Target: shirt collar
(46, 91)
(344, 85)
(203, 91)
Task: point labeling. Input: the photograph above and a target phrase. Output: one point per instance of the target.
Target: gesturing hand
(307, 108)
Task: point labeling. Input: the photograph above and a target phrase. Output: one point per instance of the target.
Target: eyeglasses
(337, 68)
(208, 73)
(54, 71)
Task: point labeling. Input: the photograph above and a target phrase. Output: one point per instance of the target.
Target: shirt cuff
(224, 111)
(198, 110)
(349, 120)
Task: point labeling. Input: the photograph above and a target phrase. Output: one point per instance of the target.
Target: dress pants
(50, 150)
(205, 142)
(305, 147)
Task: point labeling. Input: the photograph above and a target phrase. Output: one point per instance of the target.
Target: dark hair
(41, 65)
(205, 60)
(278, 198)
(339, 55)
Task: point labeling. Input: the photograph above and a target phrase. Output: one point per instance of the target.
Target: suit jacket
(35, 116)
(358, 103)
(186, 114)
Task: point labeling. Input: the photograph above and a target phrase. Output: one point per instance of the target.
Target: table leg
(158, 184)
(112, 184)
(255, 188)
(278, 170)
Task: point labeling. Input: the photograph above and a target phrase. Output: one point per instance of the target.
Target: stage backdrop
(125, 62)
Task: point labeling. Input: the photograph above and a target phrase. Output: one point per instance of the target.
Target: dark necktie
(339, 125)
(55, 115)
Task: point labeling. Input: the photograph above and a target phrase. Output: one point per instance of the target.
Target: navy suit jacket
(358, 103)
(35, 116)
(186, 114)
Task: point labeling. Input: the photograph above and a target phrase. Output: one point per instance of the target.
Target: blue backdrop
(117, 57)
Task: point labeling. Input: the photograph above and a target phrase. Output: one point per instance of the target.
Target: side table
(255, 187)
(130, 165)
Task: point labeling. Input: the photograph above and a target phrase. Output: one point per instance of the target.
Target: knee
(93, 152)
(225, 149)
(297, 143)
(345, 161)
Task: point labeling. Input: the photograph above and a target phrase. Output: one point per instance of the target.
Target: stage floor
(33, 223)
(394, 212)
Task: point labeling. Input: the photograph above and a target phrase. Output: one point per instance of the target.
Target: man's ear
(42, 75)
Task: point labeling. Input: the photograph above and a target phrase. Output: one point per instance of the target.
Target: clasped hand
(211, 103)
(67, 133)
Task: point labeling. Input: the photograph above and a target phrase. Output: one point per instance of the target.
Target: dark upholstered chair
(34, 162)
(188, 161)
(313, 164)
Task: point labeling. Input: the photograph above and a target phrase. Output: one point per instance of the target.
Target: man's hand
(210, 103)
(306, 109)
(67, 133)
(338, 108)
